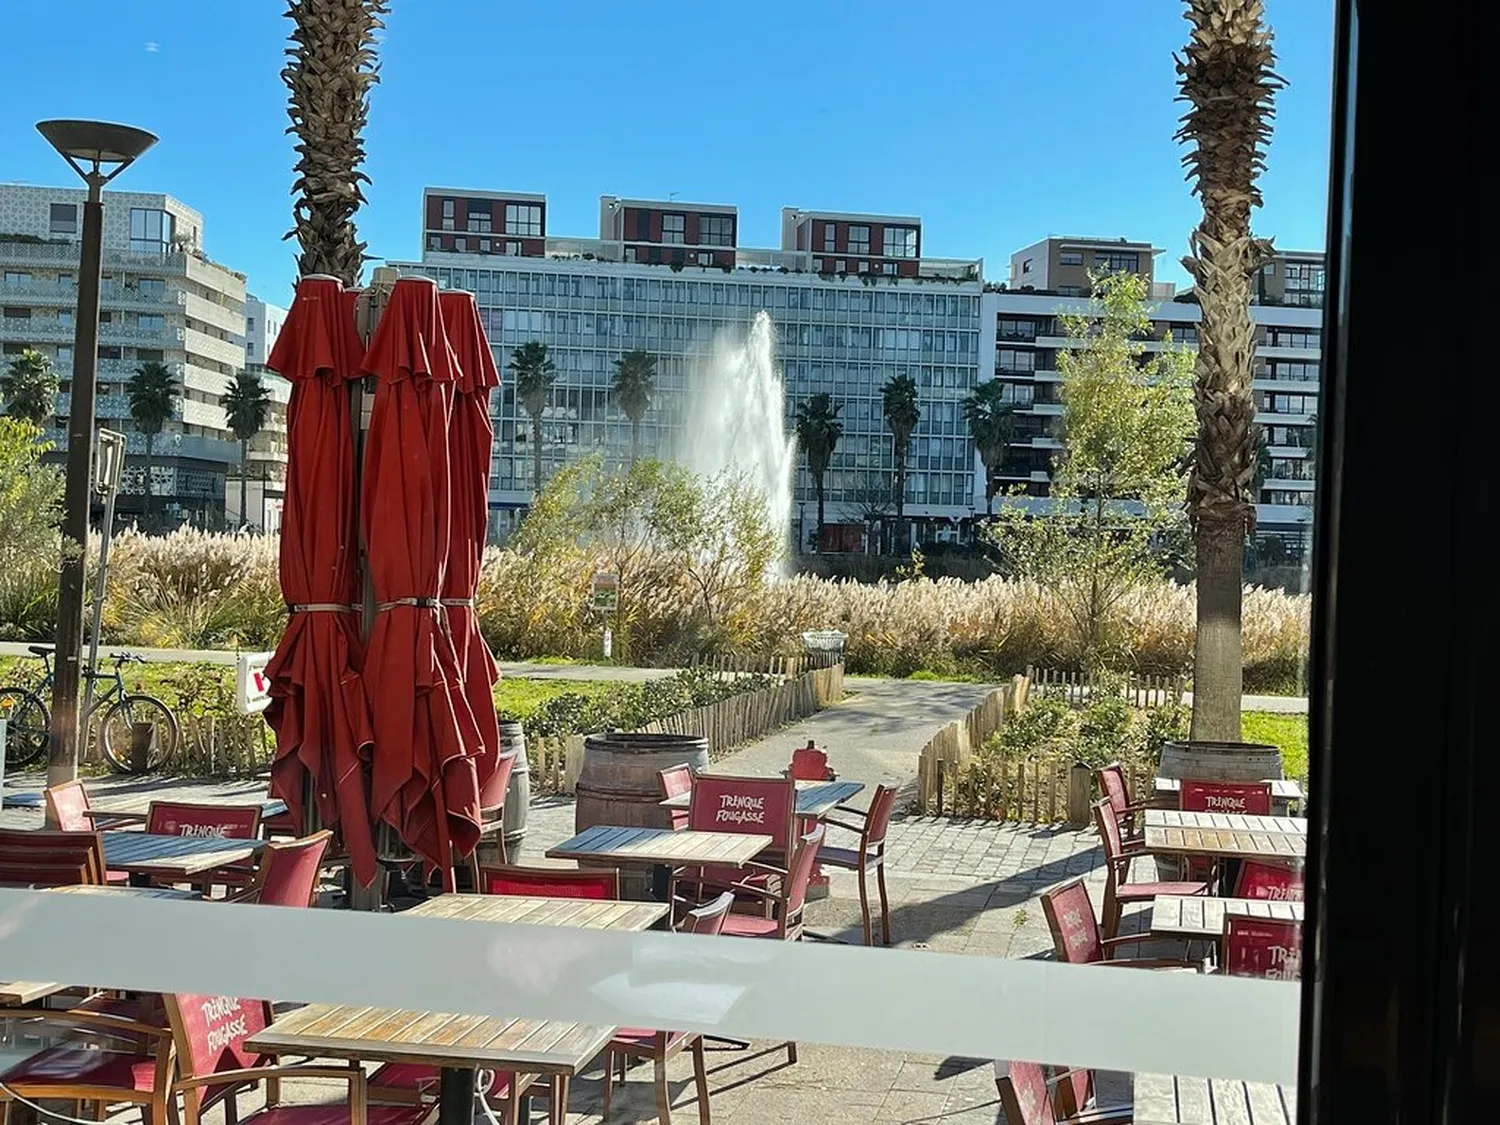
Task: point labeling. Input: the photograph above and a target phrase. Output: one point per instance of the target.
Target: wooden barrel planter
(1214, 761)
(518, 790)
(618, 785)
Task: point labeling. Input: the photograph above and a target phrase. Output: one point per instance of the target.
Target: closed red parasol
(317, 704)
(423, 777)
(470, 439)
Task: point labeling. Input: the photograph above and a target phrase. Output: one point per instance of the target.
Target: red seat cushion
(641, 1037)
(728, 876)
(117, 878)
(749, 925)
(1151, 890)
(338, 1114)
(413, 1077)
(82, 1066)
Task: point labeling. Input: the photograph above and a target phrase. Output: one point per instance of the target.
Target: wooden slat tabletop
(1162, 1099)
(610, 844)
(1282, 788)
(434, 1039)
(1200, 917)
(27, 991)
(33, 799)
(1249, 837)
(814, 798)
(174, 856)
(130, 892)
(583, 914)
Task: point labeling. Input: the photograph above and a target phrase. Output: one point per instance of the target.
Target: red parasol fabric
(317, 707)
(471, 438)
(423, 778)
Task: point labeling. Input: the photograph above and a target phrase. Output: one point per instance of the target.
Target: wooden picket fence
(231, 746)
(949, 750)
(1075, 687)
(1044, 790)
(787, 667)
(726, 724)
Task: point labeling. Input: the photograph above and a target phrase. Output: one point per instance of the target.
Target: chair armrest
(858, 828)
(851, 809)
(351, 1073)
(103, 820)
(95, 1021)
(1156, 963)
(1110, 1115)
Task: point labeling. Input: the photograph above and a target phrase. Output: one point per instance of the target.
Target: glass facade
(843, 338)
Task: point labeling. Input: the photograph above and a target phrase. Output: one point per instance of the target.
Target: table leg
(661, 882)
(455, 1096)
(558, 1111)
(138, 879)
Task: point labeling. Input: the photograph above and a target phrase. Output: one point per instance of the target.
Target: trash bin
(825, 646)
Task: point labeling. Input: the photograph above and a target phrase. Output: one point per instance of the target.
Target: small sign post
(252, 690)
(109, 460)
(607, 603)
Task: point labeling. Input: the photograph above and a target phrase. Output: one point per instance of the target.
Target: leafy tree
(1117, 490)
(30, 387)
(246, 404)
(634, 386)
(1226, 78)
(818, 432)
(898, 401)
(152, 393)
(992, 424)
(535, 373)
(30, 509)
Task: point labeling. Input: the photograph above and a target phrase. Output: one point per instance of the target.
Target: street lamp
(87, 146)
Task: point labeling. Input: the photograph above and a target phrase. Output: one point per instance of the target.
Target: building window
(1014, 359)
(1026, 265)
(448, 205)
(900, 242)
(434, 242)
(15, 278)
(64, 353)
(1007, 329)
(64, 317)
(705, 258)
(715, 230)
(513, 248)
(1115, 261)
(480, 218)
(484, 245)
(1070, 258)
(1070, 291)
(830, 238)
(150, 322)
(838, 266)
(1269, 269)
(63, 218)
(859, 240)
(630, 253)
(888, 267)
(523, 219)
(674, 229)
(153, 287)
(150, 230)
(13, 313)
(460, 245)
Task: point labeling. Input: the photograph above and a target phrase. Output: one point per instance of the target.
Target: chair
(1076, 937)
(724, 803)
(1262, 947)
(1118, 890)
(69, 810)
(810, 764)
(287, 874)
(662, 1046)
(214, 1065)
(673, 781)
(869, 856)
(1245, 798)
(224, 822)
(1262, 880)
(492, 812)
(1111, 779)
(601, 883)
(1024, 1097)
(49, 858)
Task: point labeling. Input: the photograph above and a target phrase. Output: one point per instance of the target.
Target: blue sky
(997, 121)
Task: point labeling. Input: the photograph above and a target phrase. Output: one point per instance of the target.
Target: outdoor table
(173, 858)
(1198, 918)
(1162, 1099)
(33, 799)
(663, 848)
(582, 914)
(1283, 789)
(1229, 835)
(815, 799)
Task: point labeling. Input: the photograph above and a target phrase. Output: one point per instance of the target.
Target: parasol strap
(458, 603)
(420, 603)
(321, 607)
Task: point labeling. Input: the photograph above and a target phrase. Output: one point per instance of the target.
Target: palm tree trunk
(536, 454)
(635, 440)
(1218, 656)
(146, 516)
(903, 536)
(818, 487)
(244, 481)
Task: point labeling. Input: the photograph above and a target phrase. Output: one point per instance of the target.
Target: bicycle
(119, 713)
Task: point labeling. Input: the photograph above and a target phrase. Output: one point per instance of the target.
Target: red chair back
(1109, 832)
(673, 781)
(1112, 786)
(48, 858)
(800, 871)
(1246, 798)
(709, 919)
(68, 807)
(184, 818)
(288, 872)
(809, 764)
(1070, 917)
(1023, 1093)
(492, 796)
(1262, 947)
(757, 805)
(1268, 881)
(878, 819)
(551, 882)
(209, 1033)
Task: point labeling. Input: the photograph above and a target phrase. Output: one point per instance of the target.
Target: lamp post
(87, 146)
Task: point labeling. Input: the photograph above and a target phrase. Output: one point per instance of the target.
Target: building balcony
(212, 348)
(67, 253)
(209, 415)
(222, 317)
(31, 329)
(1267, 351)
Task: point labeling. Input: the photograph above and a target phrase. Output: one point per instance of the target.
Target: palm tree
(634, 385)
(246, 404)
(818, 432)
(1226, 77)
(30, 387)
(152, 393)
(535, 375)
(992, 423)
(331, 67)
(898, 401)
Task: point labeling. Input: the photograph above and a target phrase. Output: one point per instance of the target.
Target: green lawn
(516, 698)
(1286, 731)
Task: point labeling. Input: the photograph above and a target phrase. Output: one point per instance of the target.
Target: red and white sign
(252, 690)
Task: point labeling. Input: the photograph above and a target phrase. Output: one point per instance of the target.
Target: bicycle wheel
(27, 726)
(117, 732)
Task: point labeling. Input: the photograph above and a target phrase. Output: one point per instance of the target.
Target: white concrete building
(265, 466)
(162, 300)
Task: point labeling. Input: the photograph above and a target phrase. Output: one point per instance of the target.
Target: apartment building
(673, 288)
(264, 468)
(162, 300)
(1022, 339)
(1062, 265)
